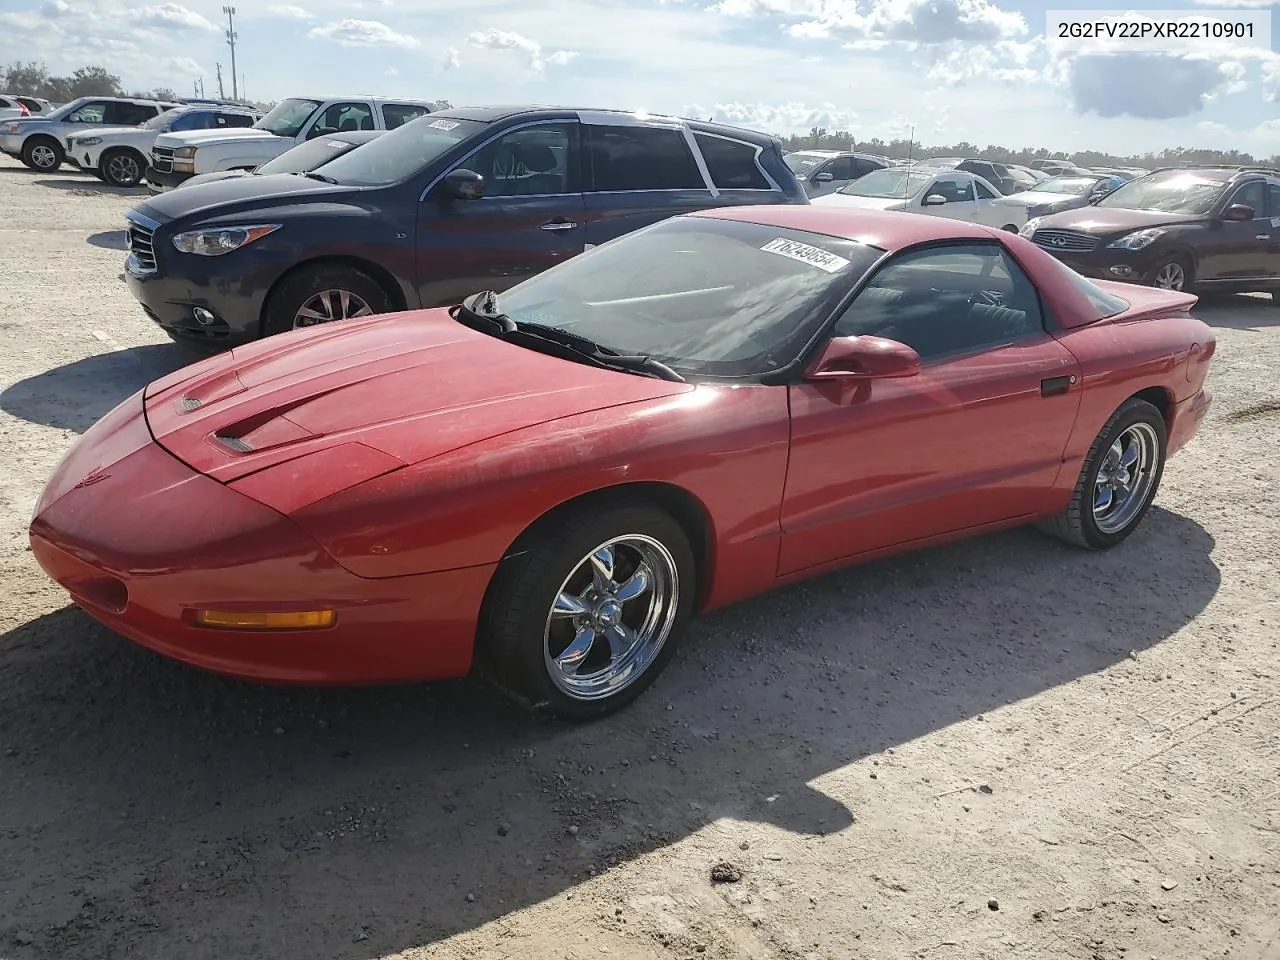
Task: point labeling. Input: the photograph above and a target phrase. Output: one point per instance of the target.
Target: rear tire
(1171, 269)
(578, 637)
(42, 154)
(1099, 514)
(323, 294)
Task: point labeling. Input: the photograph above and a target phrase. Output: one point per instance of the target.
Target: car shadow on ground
(1238, 311)
(76, 395)
(108, 240)
(182, 813)
(92, 186)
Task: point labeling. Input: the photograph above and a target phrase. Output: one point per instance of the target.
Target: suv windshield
(707, 297)
(1075, 186)
(307, 156)
(288, 117)
(1175, 191)
(894, 183)
(398, 155)
(803, 163)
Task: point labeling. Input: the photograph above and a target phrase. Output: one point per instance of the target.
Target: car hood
(199, 199)
(375, 395)
(113, 133)
(197, 138)
(1100, 221)
(863, 203)
(1033, 197)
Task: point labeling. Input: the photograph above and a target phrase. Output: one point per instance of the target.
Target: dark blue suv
(457, 201)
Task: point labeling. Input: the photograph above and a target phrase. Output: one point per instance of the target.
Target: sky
(977, 70)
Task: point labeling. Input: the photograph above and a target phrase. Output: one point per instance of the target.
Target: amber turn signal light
(263, 620)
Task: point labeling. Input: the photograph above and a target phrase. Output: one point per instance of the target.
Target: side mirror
(1238, 212)
(863, 358)
(823, 178)
(462, 184)
(933, 200)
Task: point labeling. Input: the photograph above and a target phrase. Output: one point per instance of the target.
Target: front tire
(1118, 479)
(42, 154)
(122, 168)
(586, 614)
(323, 294)
(1173, 272)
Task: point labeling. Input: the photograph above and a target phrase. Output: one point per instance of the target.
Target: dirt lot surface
(1004, 748)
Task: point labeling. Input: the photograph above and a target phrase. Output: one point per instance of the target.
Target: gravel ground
(1002, 748)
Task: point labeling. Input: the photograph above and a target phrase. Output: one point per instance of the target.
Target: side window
(199, 120)
(234, 120)
(939, 301)
(342, 118)
(642, 158)
(953, 188)
(128, 114)
(532, 161)
(1253, 194)
(1273, 199)
(397, 114)
(984, 192)
(94, 112)
(842, 168)
(731, 163)
(862, 166)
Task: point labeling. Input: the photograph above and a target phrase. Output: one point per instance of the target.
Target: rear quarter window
(642, 158)
(732, 163)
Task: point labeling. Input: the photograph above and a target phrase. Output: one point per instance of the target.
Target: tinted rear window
(732, 163)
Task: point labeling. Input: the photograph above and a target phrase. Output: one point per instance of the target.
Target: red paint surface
(393, 462)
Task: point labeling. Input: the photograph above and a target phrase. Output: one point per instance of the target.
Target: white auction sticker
(443, 124)
(814, 256)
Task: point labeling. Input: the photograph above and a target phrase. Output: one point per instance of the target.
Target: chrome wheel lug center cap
(609, 613)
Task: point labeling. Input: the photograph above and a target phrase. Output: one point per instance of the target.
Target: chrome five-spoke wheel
(1171, 276)
(611, 617)
(329, 305)
(1125, 477)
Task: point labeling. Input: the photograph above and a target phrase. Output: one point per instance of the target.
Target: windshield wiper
(605, 356)
(483, 307)
(319, 176)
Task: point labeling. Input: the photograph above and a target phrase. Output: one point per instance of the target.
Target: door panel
(532, 216)
(967, 442)
(1230, 249)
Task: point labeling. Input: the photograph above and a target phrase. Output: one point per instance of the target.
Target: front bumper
(141, 542)
(1124, 266)
(160, 181)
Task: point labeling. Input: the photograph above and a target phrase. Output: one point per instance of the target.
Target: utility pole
(231, 42)
(222, 94)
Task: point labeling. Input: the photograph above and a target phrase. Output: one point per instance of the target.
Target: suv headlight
(215, 241)
(1137, 240)
(11, 127)
(1029, 227)
(86, 141)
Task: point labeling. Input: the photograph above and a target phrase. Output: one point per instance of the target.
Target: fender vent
(234, 443)
(190, 403)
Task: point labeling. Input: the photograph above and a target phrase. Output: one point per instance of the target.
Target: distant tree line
(820, 138)
(35, 80)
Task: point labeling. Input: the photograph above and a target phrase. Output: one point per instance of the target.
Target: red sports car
(549, 483)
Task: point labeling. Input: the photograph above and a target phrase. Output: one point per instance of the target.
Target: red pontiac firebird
(548, 483)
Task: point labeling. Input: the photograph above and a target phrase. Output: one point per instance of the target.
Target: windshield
(162, 121)
(398, 155)
(288, 117)
(707, 297)
(307, 156)
(1075, 186)
(895, 183)
(803, 163)
(1177, 191)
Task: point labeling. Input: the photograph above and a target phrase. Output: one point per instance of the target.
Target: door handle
(559, 225)
(1262, 236)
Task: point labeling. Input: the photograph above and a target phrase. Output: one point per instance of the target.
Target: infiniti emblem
(96, 475)
(1058, 241)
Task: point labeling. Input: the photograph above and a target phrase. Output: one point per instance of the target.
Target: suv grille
(1064, 241)
(162, 159)
(141, 248)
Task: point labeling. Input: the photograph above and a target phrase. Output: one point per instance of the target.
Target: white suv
(119, 155)
(41, 143)
(176, 157)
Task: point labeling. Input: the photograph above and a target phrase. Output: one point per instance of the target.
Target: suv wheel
(1171, 273)
(323, 294)
(121, 168)
(43, 154)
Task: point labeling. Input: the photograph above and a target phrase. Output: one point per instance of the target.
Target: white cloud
(57, 8)
(532, 49)
(172, 15)
(391, 72)
(1235, 4)
(1268, 130)
(774, 117)
(362, 33)
(922, 22)
(452, 59)
(1212, 128)
(290, 11)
